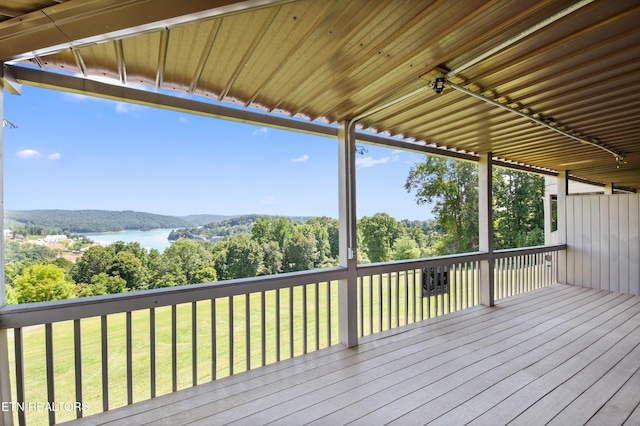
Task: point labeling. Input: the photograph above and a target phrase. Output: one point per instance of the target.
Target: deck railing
(88, 355)
(83, 356)
(398, 293)
(520, 270)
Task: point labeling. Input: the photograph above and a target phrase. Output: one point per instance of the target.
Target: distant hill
(203, 219)
(92, 220)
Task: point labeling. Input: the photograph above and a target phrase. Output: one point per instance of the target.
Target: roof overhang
(568, 66)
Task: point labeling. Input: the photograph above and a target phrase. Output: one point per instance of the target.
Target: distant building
(8, 233)
(54, 238)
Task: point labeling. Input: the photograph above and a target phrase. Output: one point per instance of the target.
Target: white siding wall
(603, 239)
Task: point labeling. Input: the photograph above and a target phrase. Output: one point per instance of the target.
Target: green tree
(107, 284)
(40, 283)
(519, 216)
(271, 259)
(184, 258)
(94, 261)
(452, 187)
(127, 266)
(405, 248)
(300, 252)
(379, 232)
(278, 230)
(242, 257)
(12, 299)
(16, 252)
(206, 274)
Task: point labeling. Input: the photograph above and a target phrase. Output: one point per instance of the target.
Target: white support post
(6, 417)
(608, 188)
(485, 226)
(347, 289)
(563, 191)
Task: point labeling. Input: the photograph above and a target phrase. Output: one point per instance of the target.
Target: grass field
(386, 301)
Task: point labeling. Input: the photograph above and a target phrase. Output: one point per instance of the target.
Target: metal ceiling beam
(619, 157)
(79, 23)
(83, 86)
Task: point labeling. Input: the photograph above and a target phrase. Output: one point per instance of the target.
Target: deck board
(563, 354)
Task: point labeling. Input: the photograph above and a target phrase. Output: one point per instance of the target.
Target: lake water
(155, 239)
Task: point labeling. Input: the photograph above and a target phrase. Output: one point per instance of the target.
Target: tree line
(272, 245)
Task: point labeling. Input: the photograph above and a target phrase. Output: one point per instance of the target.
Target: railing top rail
(500, 254)
(385, 267)
(12, 316)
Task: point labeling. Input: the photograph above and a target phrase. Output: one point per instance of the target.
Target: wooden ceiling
(572, 64)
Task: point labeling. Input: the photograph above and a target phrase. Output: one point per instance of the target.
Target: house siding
(603, 242)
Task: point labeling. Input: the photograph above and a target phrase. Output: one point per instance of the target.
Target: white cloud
(260, 131)
(55, 156)
(302, 159)
(395, 154)
(28, 153)
(366, 162)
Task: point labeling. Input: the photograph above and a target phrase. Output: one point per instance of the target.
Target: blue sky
(78, 152)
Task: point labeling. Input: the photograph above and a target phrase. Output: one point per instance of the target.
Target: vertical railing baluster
(360, 287)
(522, 276)
(129, 346)
(194, 344)
(512, 275)
(317, 316)
(388, 275)
(328, 313)
(277, 324)
(231, 340)
(380, 300)
(152, 352)
(305, 327)
(473, 280)
(214, 341)
(105, 363)
(370, 305)
(439, 303)
(291, 347)
(498, 282)
(77, 355)
(19, 364)
(415, 294)
(50, 371)
(453, 287)
(247, 331)
(174, 347)
(421, 299)
(397, 296)
(406, 297)
(263, 327)
(529, 270)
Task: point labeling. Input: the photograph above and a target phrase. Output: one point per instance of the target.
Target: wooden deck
(562, 355)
